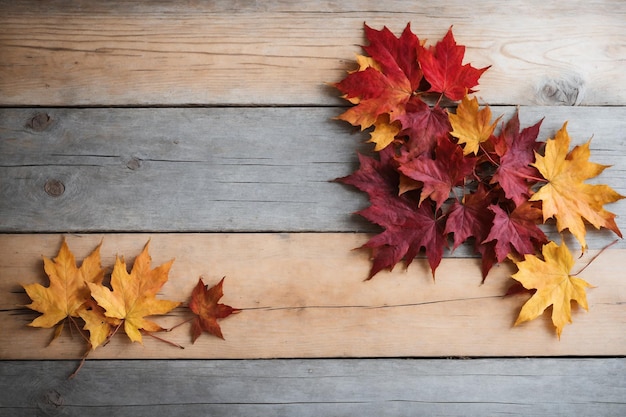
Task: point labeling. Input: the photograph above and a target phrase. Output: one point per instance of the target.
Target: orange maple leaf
(384, 132)
(554, 284)
(566, 196)
(68, 292)
(470, 125)
(134, 295)
(204, 303)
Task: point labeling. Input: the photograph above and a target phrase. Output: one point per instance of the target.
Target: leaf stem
(80, 365)
(162, 340)
(80, 332)
(179, 324)
(595, 256)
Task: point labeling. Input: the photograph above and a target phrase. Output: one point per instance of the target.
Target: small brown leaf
(204, 303)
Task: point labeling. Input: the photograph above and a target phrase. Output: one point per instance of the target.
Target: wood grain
(220, 169)
(304, 295)
(310, 388)
(279, 53)
(232, 166)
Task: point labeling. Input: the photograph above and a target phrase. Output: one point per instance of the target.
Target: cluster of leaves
(77, 295)
(442, 175)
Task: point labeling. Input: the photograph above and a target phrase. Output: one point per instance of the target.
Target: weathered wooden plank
(303, 295)
(219, 169)
(538, 387)
(281, 52)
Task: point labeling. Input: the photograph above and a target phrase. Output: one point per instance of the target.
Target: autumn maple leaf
(566, 196)
(423, 125)
(97, 323)
(443, 68)
(376, 177)
(408, 229)
(439, 174)
(470, 125)
(470, 217)
(516, 231)
(387, 86)
(516, 152)
(68, 292)
(134, 295)
(555, 286)
(204, 303)
(384, 132)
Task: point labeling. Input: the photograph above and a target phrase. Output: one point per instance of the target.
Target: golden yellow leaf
(384, 132)
(555, 286)
(470, 125)
(134, 295)
(566, 197)
(68, 290)
(98, 325)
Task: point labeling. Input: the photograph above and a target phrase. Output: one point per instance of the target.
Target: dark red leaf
(517, 232)
(516, 151)
(447, 169)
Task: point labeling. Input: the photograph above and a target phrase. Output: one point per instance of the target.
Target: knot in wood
(134, 163)
(54, 188)
(564, 91)
(39, 122)
(53, 398)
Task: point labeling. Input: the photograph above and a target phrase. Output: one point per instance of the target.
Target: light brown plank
(303, 295)
(214, 53)
(216, 170)
(313, 388)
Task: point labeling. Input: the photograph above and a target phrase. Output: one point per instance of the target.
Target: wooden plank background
(310, 388)
(206, 127)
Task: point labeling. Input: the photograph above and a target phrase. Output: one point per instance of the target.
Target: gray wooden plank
(329, 387)
(215, 169)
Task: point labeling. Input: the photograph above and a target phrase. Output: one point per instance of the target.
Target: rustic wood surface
(173, 170)
(311, 388)
(282, 52)
(304, 295)
(164, 117)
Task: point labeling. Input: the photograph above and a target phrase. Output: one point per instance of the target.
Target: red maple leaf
(388, 90)
(423, 125)
(204, 303)
(516, 232)
(376, 177)
(443, 68)
(439, 174)
(516, 151)
(408, 229)
(391, 52)
(471, 218)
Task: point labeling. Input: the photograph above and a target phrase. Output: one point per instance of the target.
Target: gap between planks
(303, 295)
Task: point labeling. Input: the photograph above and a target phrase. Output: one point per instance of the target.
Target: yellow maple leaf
(384, 132)
(566, 197)
(68, 291)
(134, 295)
(470, 125)
(555, 286)
(96, 323)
